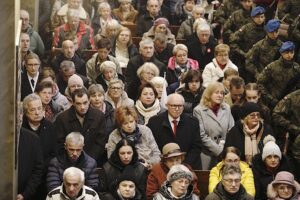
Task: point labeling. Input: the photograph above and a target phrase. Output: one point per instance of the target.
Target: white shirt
(35, 81)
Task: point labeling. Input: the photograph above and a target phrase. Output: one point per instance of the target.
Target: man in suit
(29, 78)
(175, 126)
(90, 122)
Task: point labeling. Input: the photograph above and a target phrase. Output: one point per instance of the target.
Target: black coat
(236, 137)
(93, 130)
(144, 23)
(187, 136)
(190, 100)
(263, 177)
(30, 163)
(100, 80)
(132, 80)
(194, 46)
(25, 86)
(62, 85)
(79, 63)
(166, 54)
(58, 165)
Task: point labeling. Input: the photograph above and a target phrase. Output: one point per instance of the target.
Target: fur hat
(179, 171)
(171, 150)
(248, 108)
(75, 79)
(282, 177)
(270, 147)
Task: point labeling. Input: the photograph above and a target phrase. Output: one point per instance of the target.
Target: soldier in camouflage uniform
(237, 19)
(223, 13)
(243, 39)
(264, 51)
(279, 77)
(292, 10)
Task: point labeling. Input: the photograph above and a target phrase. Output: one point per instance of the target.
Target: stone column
(7, 99)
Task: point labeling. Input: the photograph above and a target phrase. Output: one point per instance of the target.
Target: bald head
(24, 16)
(175, 104)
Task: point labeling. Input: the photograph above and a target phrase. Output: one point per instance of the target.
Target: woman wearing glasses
(215, 121)
(231, 155)
(230, 186)
(248, 133)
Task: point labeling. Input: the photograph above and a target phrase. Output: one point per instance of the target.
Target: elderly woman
(178, 185)
(147, 104)
(160, 25)
(232, 155)
(141, 135)
(159, 83)
(146, 72)
(284, 187)
(103, 16)
(116, 95)
(215, 121)
(108, 71)
(180, 63)
(171, 155)
(125, 14)
(74, 82)
(230, 186)
(96, 95)
(215, 70)
(108, 31)
(192, 90)
(123, 49)
(123, 157)
(266, 165)
(183, 11)
(248, 133)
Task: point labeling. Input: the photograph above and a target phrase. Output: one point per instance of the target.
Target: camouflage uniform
(243, 40)
(276, 80)
(261, 54)
(224, 11)
(292, 7)
(234, 22)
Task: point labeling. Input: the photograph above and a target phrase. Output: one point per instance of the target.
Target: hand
(20, 197)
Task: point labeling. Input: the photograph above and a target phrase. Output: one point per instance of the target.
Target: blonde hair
(148, 66)
(210, 89)
(222, 48)
(178, 47)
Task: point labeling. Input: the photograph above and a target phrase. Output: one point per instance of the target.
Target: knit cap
(287, 46)
(258, 10)
(107, 64)
(179, 171)
(75, 79)
(272, 25)
(128, 174)
(270, 147)
(248, 108)
(161, 20)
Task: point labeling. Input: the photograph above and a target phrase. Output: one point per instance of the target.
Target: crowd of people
(106, 117)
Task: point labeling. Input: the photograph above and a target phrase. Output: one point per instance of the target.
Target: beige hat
(75, 79)
(107, 64)
(171, 150)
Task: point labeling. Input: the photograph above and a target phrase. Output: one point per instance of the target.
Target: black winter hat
(128, 174)
(249, 107)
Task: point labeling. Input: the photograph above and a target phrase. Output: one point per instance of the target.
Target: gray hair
(73, 13)
(94, 88)
(147, 66)
(74, 171)
(203, 27)
(103, 5)
(197, 7)
(115, 81)
(230, 169)
(113, 24)
(179, 171)
(178, 47)
(158, 81)
(174, 95)
(198, 22)
(29, 98)
(66, 64)
(74, 138)
(145, 42)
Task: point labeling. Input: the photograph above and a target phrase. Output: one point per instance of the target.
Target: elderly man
(30, 77)
(35, 121)
(145, 22)
(69, 53)
(146, 55)
(230, 186)
(73, 187)
(280, 77)
(36, 43)
(90, 122)
(201, 45)
(72, 156)
(175, 126)
(67, 69)
(74, 29)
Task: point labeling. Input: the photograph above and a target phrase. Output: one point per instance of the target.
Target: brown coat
(158, 176)
(131, 18)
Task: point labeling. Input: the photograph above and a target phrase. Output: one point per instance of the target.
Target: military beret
(257, 11)
(287, 46)
(272, 25)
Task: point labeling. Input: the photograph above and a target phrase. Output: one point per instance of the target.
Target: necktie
(174, 126)
(32, 82)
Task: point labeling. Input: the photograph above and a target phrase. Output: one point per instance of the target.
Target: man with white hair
(73, 187)
(175, 126)
(75, 156)
(74, 29)
(36, 43)
(201, 45)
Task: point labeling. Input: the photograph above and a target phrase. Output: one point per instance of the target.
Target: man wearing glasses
(230, 186)
(175, 126)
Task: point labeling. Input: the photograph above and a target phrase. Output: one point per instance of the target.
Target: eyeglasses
(285, 187)
(254, 115)
(174, 106)
(230, 181)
